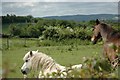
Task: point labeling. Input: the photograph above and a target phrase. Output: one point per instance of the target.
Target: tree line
(51, 29)
(12, 18)
(30, 27)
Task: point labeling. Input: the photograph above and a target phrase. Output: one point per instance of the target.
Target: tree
(33, 31)
(14, 30)
(50, 33)
(30, 17)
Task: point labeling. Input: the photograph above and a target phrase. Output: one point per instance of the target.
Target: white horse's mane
(44, 62)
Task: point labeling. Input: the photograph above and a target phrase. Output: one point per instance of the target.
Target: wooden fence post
(25, 42)
(37, 43)
(8, 46)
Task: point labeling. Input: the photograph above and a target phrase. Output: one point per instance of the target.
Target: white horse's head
(27, 62)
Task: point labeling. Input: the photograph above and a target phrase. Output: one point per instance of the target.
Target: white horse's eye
(26, 60)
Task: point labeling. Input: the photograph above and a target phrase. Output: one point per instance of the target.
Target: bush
(97, 68)
(14, 30)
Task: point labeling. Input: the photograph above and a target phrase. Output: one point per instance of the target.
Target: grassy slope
(64, 55)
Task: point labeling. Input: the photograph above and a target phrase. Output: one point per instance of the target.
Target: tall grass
(31, 42)
(65, 55)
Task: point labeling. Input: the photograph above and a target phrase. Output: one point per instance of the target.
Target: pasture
(62, 48)
(63, 54)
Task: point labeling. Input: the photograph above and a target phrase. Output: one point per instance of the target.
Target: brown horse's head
(96, 32)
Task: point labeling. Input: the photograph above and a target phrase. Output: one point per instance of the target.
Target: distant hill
(85, 17)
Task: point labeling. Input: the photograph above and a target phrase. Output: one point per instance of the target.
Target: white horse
(45, 64)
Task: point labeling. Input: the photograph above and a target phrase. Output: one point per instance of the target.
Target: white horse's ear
(31, 54)
(37, 51)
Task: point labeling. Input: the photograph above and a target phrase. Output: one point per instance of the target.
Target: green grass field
(65, 55)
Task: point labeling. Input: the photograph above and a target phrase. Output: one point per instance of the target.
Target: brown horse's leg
(113, 56)
(110, 54)
(118, 51)
(118, 55)
(105, 51)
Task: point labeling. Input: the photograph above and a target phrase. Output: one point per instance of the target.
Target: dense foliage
(27, 26)
(30, 27)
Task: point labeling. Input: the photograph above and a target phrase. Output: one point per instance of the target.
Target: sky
(44, 8)
(59, 0)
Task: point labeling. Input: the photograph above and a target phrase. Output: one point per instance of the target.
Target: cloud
(40, 9)
(60, 0)
(20, 0)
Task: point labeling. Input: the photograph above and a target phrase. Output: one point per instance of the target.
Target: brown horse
(111, 39)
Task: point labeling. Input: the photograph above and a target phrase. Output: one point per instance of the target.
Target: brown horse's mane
(112, 32)
(106, 27)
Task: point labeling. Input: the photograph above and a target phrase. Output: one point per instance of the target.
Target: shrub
(97, 67)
